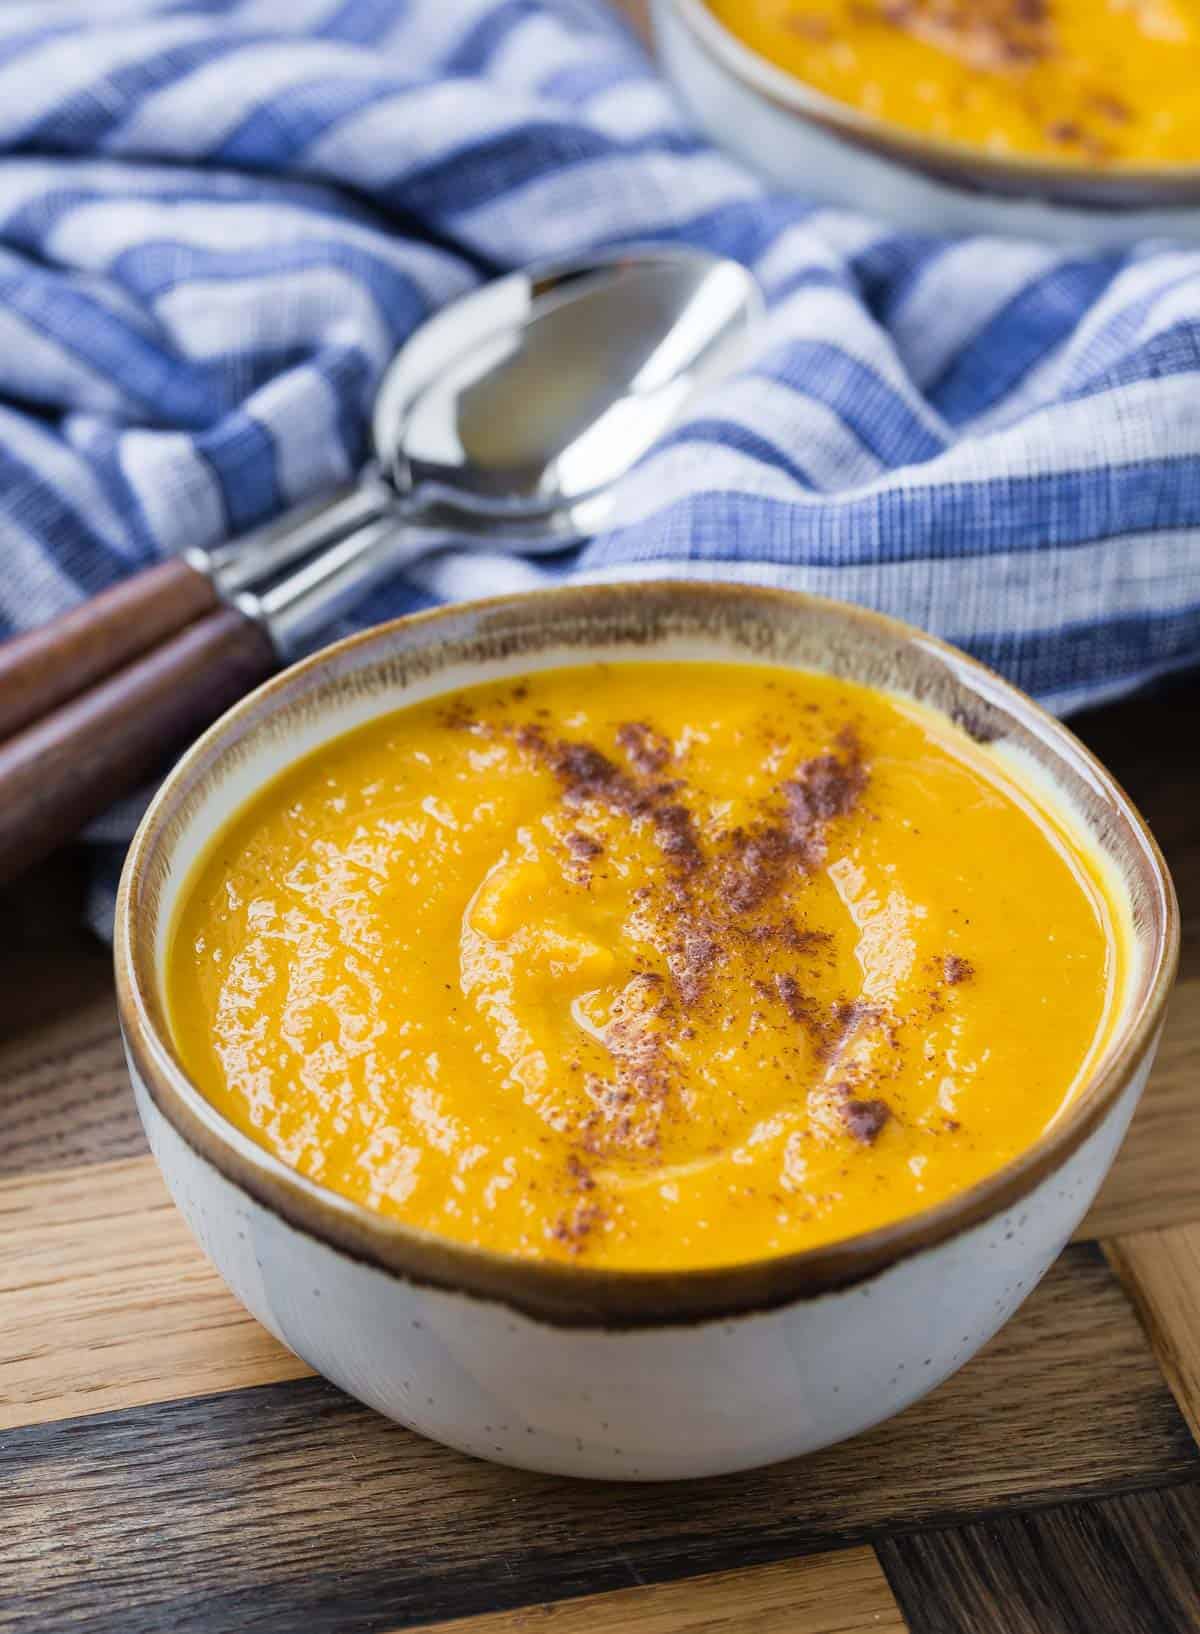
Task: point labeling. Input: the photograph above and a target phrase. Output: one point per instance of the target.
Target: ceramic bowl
(584, 1371)
(800, 139)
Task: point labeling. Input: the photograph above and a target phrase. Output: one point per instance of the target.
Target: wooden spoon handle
(60, 773)
(45, 667)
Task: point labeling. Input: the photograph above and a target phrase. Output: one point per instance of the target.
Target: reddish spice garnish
(574, 1227)
(827, 786)
(704, 902)
(647, 748)
(587, 774)
(794, 1001)
(957, 969)
(633, 1104)
(458, 716)
(753, 866)
(583, 847)
(758, 860)
(988, 34)
(1112, 108)
(1065, 131)
(851, 1013)
(807, 1013)
(816, 29)
(677, 837)
(582, 1176)
(865, 1119)
(784, 933)
(691, 960)
(832, 1029)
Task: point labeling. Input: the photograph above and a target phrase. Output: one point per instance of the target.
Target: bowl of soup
(1073, 120)
(639, 1031)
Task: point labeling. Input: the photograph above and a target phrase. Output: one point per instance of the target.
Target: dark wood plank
(1128, 1565)
(64, 1092)
(1155, 1181)
(1148, 743)
(65, 1096)
(288, 1506)
(41, 933)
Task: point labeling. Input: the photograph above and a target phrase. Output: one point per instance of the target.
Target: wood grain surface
(1125, 1566)
(113, 1305)
(1162, 1272)
(250, 1478)
(844, 1593)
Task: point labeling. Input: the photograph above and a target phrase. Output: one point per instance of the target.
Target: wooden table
(165, 1465)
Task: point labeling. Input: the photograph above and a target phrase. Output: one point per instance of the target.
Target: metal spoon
(505, 420)
(509, 417)
(514, 409)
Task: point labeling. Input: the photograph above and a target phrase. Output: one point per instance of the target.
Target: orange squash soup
(1086, 82)
(647, 965)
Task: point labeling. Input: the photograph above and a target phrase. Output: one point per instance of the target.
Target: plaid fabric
(220, 218)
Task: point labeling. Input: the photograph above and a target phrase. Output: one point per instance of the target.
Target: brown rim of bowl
(974, 169)
(575, 1295)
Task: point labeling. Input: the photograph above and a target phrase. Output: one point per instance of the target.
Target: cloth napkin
(220, 218)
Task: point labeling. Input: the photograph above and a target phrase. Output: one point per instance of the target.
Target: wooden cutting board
(165, 1465)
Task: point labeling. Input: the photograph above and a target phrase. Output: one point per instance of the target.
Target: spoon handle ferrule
(253, 559)
(306, 602)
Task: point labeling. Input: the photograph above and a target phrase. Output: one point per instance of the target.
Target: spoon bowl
(559, 380)
(509, 417)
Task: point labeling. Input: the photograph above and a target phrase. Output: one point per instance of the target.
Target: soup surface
(645, 965)
(1089, 82)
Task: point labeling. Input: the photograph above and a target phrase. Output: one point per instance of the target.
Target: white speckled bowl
(580, 1370)
(800, 139)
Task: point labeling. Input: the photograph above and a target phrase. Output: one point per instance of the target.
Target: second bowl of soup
(1066, 119)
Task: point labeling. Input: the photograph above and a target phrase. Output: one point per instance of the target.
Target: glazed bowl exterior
(562, 1367)
(800, 139)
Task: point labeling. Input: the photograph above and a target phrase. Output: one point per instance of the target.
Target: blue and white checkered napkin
(219, 219)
